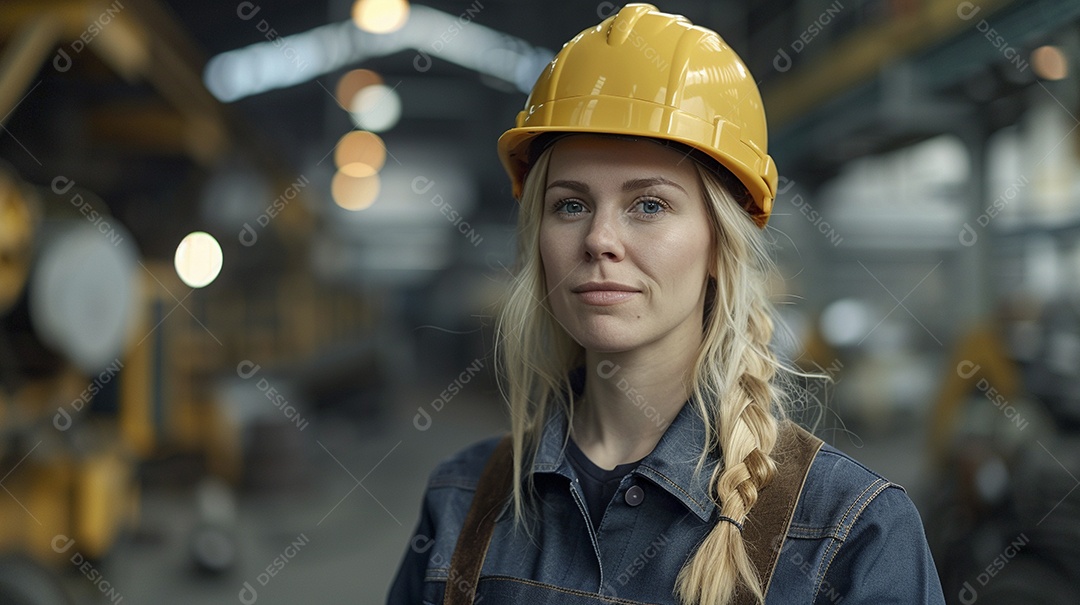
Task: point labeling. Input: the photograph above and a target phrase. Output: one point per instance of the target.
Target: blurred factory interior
(250, 252)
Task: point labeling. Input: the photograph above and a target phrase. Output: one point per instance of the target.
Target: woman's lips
(605, 298)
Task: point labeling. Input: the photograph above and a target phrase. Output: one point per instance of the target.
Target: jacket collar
(670, 465)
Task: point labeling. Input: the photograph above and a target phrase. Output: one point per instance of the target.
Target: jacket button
(634, 495)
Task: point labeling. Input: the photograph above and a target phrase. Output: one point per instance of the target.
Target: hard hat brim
(613, 115)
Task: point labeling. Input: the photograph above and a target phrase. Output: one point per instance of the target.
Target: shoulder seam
(845, 528)
(832, 451)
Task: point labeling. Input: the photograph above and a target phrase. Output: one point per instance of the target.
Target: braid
(735, 395)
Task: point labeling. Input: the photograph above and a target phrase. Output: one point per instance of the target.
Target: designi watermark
(967, 369)
(247, 369)
(968, 592)
(967, 11)
(968, 234)
(420, 544)
(421, 185)
(608, 369)
(422, 60)
(637, 565)
(248, 234)
(782, 61)
(62, 61)
(248, 594)
(61, 185)
(62, 419)
(247, 11)
(422, 419)
(61, 544)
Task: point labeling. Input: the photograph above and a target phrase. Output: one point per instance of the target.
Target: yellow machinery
(103, 370)
(76, 420)
(980, 369)
(65, 474)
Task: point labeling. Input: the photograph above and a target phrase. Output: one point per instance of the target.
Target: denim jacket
(854, 537)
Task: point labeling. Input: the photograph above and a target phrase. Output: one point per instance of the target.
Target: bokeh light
(1049, 63)
(376, 108)
(360, 153)
(845, 322)
(198, 259)
(380, 16)
(352, 82)
(352, 193)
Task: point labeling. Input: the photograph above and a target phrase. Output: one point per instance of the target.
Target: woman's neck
(630, 399)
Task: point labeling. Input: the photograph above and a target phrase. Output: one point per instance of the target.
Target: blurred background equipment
(250, 253)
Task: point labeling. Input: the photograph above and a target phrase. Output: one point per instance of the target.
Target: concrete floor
(343, 531)
(348, 521)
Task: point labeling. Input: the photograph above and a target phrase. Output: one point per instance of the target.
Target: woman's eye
(570, 207)
(651, 206)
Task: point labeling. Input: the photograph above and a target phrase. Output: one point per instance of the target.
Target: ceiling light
(376, 108)
(198, 259)
(360, 153)
(380, 16)
(353, 193)
(1049, 63)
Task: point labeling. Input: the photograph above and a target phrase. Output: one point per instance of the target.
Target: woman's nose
(604, 238)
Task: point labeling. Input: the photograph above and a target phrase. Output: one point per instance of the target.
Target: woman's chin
(608, 341)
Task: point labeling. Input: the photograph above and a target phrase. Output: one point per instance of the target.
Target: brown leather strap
(769, 519)
(475, 536)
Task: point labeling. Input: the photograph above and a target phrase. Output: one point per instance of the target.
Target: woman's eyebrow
(575, 185)
(630, 185)
(649, 182)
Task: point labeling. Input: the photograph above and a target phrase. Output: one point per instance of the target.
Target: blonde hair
(732, 382)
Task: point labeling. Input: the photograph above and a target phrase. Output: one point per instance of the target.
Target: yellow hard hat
(645, 73)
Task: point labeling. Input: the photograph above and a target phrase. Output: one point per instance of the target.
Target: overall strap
(767, 523)
(475, 536)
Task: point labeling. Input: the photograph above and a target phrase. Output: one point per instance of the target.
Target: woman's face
(625, 243)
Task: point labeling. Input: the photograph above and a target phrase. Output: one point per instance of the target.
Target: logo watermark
(637, 565)
(422, 420)
(247, 369)
(247, 11)
(248, 594)
(248, 234)
(607, 370)
(816, 218)
(61, 544)
(61, 185)
(782, 61)
(808, 568)
(606, 9)
(967, 12)
(968, 593)
(421, 185)
(968, 234)
(62, 419)
(422, 60)
(967, 369)
(62, 61)
(420, 544)
(814, 387)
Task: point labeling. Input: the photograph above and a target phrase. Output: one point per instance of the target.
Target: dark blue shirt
(855, 538)
(598, 484)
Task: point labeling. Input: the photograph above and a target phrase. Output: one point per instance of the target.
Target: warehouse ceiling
(149, 140)
(447, 103)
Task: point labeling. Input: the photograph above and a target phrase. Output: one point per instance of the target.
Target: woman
(648, 461)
